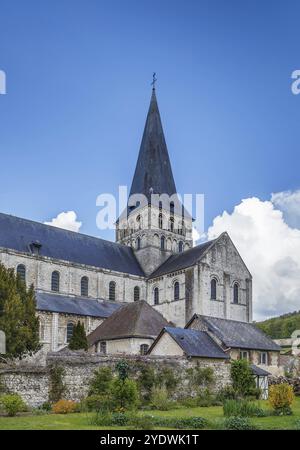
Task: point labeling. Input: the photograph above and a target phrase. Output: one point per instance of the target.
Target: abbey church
(149, 292)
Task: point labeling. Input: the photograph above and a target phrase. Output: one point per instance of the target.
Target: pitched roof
(196, 343)
(135, 319)
(259, 371)
(18, 234)
(182, 260)
(236, 334)
(80, 306)
(153, 170)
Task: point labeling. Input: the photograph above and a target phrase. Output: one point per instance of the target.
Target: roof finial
(154, 80)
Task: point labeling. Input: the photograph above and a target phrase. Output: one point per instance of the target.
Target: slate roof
(80, 306)
(259, 371)
(196, 343)
(18, 234)
(153, 169)
(182, 260)
(236, 334)
(135, 319)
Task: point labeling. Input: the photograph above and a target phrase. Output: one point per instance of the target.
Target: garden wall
(32, 383)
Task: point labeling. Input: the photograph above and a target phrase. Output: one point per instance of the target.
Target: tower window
(156, 296)
(21, 272)
(143, 349)
(213, 289)
(138, 243)
(176, 290)
(70, 329)
(171, 207)
(160, 221)
(84, 286)
(172, 224)
(55, 281)
(162, 242)
(112, 291)
(235, 293)
(180, 247)
(138, 221)
(136, 294)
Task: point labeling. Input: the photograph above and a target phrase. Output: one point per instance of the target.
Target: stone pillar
(54, 332)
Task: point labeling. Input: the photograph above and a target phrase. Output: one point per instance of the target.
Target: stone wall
(33, 383)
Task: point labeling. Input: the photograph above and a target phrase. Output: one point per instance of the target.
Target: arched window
(235, 293)
(136, 294)
(144, 348)
(176, 290)
(84, 286)
(160, 221)
(21, 272)
(156, 296)
(160, 205)
(112, 291)
(138, 243)
(213, 289)
(172, 224)
(171, 207)
(70, 329)
(55, 281)
(180, 246)
(162, 242)
(138, 221)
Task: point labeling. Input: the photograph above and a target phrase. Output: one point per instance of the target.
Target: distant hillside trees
(281, 327)
(18, 317)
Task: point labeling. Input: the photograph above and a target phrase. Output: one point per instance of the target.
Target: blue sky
(78, 90)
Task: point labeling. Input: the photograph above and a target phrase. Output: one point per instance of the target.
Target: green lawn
(81, 421)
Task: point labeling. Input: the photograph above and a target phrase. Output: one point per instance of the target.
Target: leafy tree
(122, 369)
(17, 315)
(101, 381)
(78, 340)
(242, 377)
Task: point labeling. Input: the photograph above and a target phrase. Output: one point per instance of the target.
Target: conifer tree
(78, 340)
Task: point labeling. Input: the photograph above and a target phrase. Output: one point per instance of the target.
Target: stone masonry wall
(33, 383)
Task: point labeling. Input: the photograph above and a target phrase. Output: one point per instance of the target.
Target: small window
(171, 207)
(162, 242)
(263, 358)
(144, 349)
(156, 296)
(180, 247)
(138, 220)
(21, 272)
(172, 224)
(55, 281)
(160, 205)
(70, 329)
(138, 243)
(84, 286)
(235, 293)
(176, 290)
(160, 221)
(112, 291)
(103, 348)
(136, 294)
(244, 354)
(213, 289)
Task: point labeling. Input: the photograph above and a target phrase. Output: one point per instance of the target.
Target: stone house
(130, 330)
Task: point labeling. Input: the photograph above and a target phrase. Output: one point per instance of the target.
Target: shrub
(242, 378)
(160, 399)
(226, 393)
(119, 419)
(12, 404)
(241, 408)
(142, 422)
(124, 393)
(64, 407)
(238, 423)
(100, 382)
(97, 403)
(146, 381)
(166, 378)
(122, 368)
(281, 397)
(46, 406)
(57, 386)
(78, 340)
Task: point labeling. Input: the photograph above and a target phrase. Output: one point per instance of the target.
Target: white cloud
(270, 248)
(289, 203)
(66, 220)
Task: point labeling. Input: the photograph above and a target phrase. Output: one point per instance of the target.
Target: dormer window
(35, 247)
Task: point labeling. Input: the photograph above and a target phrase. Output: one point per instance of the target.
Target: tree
(78, 340)
(17, 315)
(242, 377)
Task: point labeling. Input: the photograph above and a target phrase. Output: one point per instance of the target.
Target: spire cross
(154, 80)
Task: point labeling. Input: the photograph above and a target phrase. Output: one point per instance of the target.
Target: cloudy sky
(78, 88)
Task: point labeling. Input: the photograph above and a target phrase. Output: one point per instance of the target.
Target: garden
(119, 402)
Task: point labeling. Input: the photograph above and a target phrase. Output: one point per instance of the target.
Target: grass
(81, 421)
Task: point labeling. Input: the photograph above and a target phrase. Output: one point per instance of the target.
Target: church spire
(153, 172)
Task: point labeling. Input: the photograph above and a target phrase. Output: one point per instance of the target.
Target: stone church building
(79, 277)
